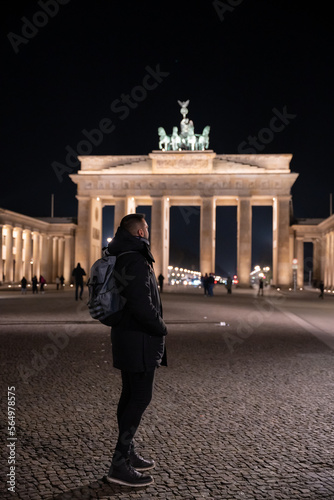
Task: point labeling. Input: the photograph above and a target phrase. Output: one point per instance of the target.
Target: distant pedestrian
(260, 292)
(321, 288)
(229, 285)
(211, 283)
(57, 282)
(62, 281)
(161, 282)
(42, 281)
(204, 280)
(34, 284)
(78, 274)
(23, 286)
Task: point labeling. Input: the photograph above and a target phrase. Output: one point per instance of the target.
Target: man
(137, 344)
(78, 274)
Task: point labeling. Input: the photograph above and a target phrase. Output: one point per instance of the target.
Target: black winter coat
(138, 338)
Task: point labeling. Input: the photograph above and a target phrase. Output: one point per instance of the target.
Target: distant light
(9, 286)
(98, 198)
(300, 288)
(278, 289)
(290, 289)
(109, 240)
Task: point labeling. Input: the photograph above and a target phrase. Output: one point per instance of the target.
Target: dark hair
(131, 222)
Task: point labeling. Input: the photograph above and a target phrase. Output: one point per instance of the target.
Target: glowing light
(109, 240)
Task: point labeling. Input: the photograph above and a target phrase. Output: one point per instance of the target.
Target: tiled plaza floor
(244, 410)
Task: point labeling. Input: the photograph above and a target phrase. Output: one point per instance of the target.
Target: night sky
(237, 62)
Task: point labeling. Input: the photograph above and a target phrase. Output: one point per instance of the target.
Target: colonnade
(28, 252)
(90, 230)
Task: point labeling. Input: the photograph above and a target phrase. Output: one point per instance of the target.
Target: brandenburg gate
(185, 172)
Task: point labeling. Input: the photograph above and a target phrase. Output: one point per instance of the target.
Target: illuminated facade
(200, 178)
(32, 246)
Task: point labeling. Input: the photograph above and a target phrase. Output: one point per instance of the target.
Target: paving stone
(255, 423)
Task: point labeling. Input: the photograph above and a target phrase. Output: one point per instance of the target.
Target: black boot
(138, 462)
(126, 475)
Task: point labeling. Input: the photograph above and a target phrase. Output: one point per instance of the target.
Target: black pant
(137, 389)
(77, 286)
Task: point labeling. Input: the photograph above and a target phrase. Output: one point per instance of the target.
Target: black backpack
(105, 299)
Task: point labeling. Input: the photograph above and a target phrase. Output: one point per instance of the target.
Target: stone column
(36, 254)
(95, 233)
(300, 259)
(329, 265)
(44, 259)
(281, 224)
(159, 232)
(18, 255)
(61, 256)
(1, 256)
(68, 258)
(83, 233)
(27, 254)
(123, 207)
(54, 258)
(316, 259)
(9, 253)
(208, 235)
(49, 251)
(244, 241)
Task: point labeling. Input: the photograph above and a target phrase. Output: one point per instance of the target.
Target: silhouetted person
(161, 282)
(78, 274)
(204, 280)
(34, 284)
(57, 282)
(42, 281)
(229, 285)
(24, 285)
(260, 292)
(62, 281)
(321, 288)
(211, 282)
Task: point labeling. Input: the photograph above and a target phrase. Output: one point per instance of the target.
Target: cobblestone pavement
(244, 411)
